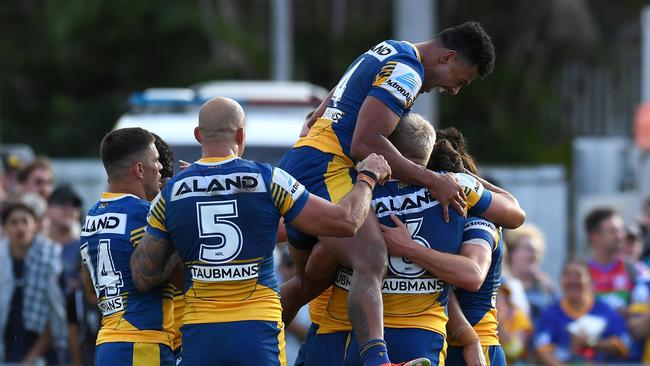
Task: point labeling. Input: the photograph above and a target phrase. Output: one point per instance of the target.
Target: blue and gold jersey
(112, 229)
(413, 297)
(640, 306)
(390, 71)
(552, 332)
(221, 215)
(480, 307)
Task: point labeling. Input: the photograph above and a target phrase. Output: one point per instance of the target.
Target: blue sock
(374, 353)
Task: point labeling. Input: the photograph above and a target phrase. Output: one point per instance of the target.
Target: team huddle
(396, 239)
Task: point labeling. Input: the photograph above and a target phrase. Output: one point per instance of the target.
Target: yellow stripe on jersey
(486, 329)
(138, 230)
(385, 73)
(157, 223)
(117, 329)
(282, 345)
(639, 308)
(210, 302)
(146, 354)
(321, 136)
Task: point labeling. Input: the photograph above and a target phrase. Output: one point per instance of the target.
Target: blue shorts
(251, 342)
(306, 346)
(404, 344)
(326, 175)
(133, 354)
(494, 356)
(327, 349)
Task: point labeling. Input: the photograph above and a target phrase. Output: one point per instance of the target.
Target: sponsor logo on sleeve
(401, 81)
(382, 51)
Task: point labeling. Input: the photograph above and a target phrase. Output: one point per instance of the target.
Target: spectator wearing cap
(64, 226)
(526, 247)
(37, 177)
(32, 312)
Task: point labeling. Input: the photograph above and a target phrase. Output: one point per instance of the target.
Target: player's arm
(318, 112)
(152, 262)
(376, 121)
(459, 328)
(323, 218)
(504, 210)
(467, 270)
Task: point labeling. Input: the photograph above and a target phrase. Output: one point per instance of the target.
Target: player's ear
(138, 169)
(240, 135)
(448, 56)
(197, 134)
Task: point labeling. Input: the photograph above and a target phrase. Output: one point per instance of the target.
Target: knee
(373, 262)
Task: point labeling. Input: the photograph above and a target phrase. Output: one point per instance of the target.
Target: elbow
(515, 219)
(359, 150)
(471, 284)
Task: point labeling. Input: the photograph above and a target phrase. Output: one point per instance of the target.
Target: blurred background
(561, 122)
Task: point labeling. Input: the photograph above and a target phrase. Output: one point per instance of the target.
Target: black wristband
(369, 174)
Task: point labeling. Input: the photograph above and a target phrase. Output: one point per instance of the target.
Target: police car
(275, 112)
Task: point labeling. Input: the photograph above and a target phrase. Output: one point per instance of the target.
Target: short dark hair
(120, 146)
(457, 141)
(39, 163)
(15, 206)
(596, 216)
(472, 43)
(445, 158)
(166, 157)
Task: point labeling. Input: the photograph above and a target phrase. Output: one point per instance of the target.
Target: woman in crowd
(526, 246)
(580, 328)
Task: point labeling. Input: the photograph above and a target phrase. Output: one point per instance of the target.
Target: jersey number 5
(213, 223)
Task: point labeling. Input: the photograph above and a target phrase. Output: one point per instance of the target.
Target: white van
(275, 112)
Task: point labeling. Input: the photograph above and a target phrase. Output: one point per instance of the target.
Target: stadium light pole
(282, 33)
(415, 21)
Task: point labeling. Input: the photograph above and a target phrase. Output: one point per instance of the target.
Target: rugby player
(136, 325)
(221, 214)
(166, 160)
(353, 121)
(476, 273)
(414, 300)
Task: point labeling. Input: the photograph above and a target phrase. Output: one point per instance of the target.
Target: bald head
(220, 118)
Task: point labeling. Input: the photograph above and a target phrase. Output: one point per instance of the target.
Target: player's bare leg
(301, 289)
(366, 254)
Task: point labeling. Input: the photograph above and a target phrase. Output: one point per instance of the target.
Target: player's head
(605, 230)
(130, 158)
(19, 224)
(37, 177)
(457, 141)
(445, 158)
(221, 124)
(464, 53)
(414, 138)
(576, 280)
(166, 159)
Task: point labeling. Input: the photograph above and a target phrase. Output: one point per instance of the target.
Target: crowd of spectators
(598, 311)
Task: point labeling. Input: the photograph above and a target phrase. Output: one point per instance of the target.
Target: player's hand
(376, 164)
(398, 239)
(182, 164)
(473, 355)
(446, 189)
